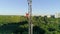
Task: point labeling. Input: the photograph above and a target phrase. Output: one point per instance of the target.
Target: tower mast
(30, 16)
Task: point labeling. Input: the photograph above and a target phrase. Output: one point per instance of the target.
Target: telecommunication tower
(30, 16)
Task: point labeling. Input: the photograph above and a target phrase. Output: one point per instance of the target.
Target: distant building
(57, 15)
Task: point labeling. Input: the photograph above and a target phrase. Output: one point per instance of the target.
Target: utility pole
(30, 16)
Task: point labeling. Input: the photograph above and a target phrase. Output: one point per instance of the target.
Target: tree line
(19, 24)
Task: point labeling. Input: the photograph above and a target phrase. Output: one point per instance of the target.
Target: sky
(20, 7)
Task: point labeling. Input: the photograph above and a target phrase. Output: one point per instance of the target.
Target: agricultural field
(19, 25)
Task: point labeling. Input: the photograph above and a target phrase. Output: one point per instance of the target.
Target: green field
(19, 25)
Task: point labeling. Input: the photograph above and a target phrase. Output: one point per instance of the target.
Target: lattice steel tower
(30, 16)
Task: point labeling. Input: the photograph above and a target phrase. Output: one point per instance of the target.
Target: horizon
(20, 7)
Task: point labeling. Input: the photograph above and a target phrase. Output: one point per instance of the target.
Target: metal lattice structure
(30, 15)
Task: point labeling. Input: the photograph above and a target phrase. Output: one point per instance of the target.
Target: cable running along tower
(30, 16)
